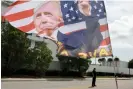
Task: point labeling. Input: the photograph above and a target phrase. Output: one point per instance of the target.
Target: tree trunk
(129, 72)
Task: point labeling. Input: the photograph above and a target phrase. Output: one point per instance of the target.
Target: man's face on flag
(47, 18)
(84, 7)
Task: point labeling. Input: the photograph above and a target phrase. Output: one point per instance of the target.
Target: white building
(122, 67)
(122, 64)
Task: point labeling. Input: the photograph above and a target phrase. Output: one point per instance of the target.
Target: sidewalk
(58, 79)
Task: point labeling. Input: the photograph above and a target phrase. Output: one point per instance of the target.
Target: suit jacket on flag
(86, 40)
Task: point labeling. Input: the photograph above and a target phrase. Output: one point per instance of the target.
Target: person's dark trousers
(93, 81)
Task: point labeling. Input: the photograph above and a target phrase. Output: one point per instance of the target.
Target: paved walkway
(57, 79)
(65, 83)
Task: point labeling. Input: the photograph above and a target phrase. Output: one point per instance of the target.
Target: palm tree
(116, 60)
(103, 61)
(100, 61)
(110, 60)
(130, 64)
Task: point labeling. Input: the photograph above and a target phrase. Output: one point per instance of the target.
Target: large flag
(79, 27)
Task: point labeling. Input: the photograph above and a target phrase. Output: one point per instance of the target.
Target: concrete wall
(53, 47)
(110, 69)
(122, 64)
(55, 66)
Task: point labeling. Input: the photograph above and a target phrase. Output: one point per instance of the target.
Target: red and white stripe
(20, 15)
(106, 43)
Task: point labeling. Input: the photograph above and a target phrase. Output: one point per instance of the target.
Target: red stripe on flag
(13, 4)
(105, 42)
(27, 28)
(18, 2)
(19, 15)
(103, 27)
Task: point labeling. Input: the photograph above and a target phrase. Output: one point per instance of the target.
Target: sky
(120, 21)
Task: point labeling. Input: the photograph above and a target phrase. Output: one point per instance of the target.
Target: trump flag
(79, 27)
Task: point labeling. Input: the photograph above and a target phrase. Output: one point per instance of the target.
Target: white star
(75, 1)
(67, 15)
(101, 5)
(96, 1)
(71, 9)
(95, 7)
(65, 5)
(69, 20)
(98, 15)
(100, 10)
(80, 18)
(77, 11)
(73, 18)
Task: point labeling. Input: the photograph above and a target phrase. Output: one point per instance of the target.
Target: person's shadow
(91, 87)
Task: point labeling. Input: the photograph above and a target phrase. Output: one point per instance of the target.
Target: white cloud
(116, 9)
(120, 31)
(120, 18)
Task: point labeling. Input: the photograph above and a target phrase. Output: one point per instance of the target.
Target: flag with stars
(90, 40)
(70, 12)
(79, 27)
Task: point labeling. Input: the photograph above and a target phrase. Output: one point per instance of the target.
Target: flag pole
(115, 73)
(95, 56)
(95, 60)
